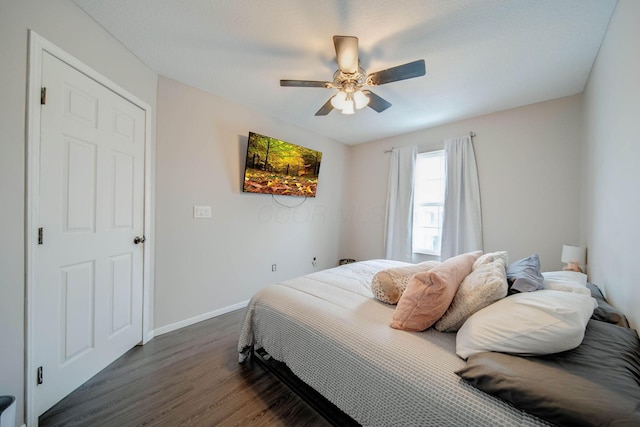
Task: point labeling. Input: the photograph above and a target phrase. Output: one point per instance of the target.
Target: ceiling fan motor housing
(349, 82)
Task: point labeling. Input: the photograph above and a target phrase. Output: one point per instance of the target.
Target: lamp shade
(573, 253)
(348, 107)
(360, 99)
(339, 101)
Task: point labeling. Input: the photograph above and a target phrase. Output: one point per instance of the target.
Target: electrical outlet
(274, 267)
(314, 262)
(202, 211)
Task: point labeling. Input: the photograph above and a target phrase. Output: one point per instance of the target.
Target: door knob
(139, 239)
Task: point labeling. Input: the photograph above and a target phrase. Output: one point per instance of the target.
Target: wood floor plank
(188, 377)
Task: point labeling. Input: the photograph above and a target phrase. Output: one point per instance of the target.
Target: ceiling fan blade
(377, 103)
(346, 53)
(394, 74)
(304, 83)
(325, 109)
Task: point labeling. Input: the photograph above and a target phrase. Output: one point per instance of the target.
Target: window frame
(424, 251)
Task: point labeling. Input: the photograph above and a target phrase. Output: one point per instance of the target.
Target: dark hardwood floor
(189, 377)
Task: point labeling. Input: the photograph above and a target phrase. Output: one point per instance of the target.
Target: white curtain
(462, 225)
(399, 217)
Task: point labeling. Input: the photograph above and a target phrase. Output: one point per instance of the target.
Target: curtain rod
(471, 135)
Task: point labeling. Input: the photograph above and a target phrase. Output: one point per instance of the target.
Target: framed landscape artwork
(277, 167)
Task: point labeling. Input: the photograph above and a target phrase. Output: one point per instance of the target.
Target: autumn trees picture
(274, 166)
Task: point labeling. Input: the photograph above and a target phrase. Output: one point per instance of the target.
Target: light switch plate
(202, 211)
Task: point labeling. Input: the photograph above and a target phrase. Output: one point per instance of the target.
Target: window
(428, 202)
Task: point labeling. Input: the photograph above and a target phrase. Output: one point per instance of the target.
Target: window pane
(430, 167)
(429, 191)
(426, 239)
(428, 216)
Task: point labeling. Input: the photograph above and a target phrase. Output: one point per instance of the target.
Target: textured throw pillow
(429, 294)
(524, 275)
(388, 285)
(567, 281)
(483, 286)
(529, 323)
(491, 257)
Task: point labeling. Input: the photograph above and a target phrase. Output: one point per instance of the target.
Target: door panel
(76, 309)
(123, 181)
(79, 185)
(124, 126)
(80, 106)
(88, 273)
(121, 292)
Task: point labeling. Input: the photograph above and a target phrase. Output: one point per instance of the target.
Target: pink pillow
(429, 294)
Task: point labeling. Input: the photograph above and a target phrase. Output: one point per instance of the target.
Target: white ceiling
(481, 55)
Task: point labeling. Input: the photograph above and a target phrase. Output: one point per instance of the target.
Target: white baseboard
(148, 337)
(187, 322)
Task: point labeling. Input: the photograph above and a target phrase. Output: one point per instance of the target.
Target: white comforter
(333, 335)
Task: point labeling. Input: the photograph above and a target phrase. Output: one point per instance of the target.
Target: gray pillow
(597, 383)
(524, 275)
(605, 312)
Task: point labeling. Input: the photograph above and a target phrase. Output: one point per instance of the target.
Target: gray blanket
(334, 336)
(594, 384)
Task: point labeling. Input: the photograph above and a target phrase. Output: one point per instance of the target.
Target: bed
(333, 335)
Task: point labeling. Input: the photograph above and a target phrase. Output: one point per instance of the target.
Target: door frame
(37, 46)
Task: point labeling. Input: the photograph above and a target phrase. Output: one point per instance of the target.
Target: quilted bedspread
(333, 335)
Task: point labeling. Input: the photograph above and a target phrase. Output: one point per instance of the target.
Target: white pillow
(566, 276)
(566, 281)
(528, 323)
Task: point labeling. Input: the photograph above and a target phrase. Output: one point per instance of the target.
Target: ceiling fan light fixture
(339, 100)
(348, 107)
(360, 99)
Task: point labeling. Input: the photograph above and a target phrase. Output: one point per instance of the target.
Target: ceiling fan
(350, 79)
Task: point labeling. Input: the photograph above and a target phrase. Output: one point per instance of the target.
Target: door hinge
(39, 376)
(40, 234)
(43, 96)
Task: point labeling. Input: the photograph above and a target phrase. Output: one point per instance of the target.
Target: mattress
(334, 336)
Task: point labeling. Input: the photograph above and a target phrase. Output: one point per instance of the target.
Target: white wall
(529, 166)
(204, 265)
(611, 191)
(63, 23)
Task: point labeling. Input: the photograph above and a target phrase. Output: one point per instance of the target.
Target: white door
(88, 271)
